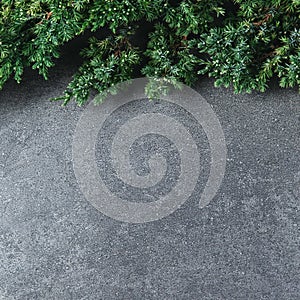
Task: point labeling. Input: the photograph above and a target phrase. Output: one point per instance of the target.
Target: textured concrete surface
(55, 245)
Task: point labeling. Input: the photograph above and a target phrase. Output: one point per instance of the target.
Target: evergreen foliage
(242, 43)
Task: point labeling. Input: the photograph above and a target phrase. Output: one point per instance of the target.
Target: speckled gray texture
(55, 245)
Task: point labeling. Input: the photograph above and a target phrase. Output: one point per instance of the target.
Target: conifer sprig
(240, 43)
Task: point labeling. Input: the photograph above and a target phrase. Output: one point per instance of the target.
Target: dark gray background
(55, 245)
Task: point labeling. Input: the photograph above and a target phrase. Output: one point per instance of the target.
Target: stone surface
(55, 245)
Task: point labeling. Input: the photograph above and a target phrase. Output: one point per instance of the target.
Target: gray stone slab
(55, 245)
